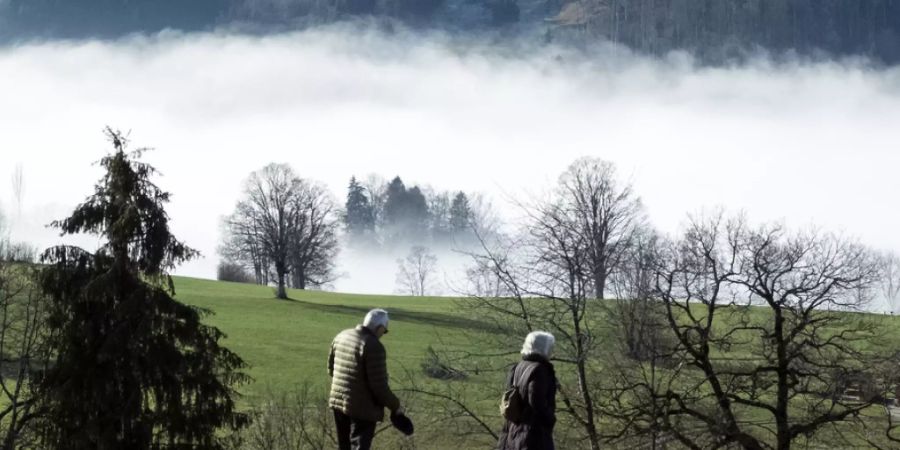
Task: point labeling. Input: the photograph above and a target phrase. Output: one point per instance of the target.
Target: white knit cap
(540, 342)
(376, 318)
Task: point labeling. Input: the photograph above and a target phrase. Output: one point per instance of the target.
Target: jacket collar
(365, 330)
(536, 357)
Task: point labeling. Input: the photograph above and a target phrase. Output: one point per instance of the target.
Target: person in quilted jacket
(359, 382)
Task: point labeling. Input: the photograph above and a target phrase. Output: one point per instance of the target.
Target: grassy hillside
(286, 342)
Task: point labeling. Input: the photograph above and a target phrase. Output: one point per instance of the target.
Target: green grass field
(286, 342)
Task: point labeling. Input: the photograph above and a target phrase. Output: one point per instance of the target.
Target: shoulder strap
(511, 378)
(524, 375)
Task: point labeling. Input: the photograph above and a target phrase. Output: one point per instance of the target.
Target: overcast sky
(807, 143)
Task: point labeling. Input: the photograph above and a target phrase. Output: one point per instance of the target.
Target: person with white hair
(533, 381)
(359, 382)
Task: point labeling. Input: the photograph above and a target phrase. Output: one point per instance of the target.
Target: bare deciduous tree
(637, 318)
(483, 219)
(592, 203)
(890, 284)
(547, 276)
(18, 187)
(756, 338)
(482, 281)
(546, 283)
(241, 245)
(269, 211)
(761, 360)
(23, 353)
(415, 273)
(450, 410)
(284, 224)
(314, 245)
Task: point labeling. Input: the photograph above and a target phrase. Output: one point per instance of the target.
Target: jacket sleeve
(376, 372)
(331, 361)
(538, 393)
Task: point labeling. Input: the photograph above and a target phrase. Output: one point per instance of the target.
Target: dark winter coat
(359, 378)
(535, 432)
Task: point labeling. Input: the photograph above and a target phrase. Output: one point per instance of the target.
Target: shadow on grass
(426, 318)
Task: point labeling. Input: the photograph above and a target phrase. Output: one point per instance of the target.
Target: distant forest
(714, 30)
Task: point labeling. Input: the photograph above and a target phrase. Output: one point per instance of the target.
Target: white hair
(538, 342)
(376, 318)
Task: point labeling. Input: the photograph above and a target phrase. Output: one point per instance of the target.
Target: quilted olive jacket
(359, 379)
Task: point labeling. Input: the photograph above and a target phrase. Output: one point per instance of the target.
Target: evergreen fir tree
(460, 213)
(395, 209)
(359, 218)
(405, 213)
(417, 214)
(134, 368)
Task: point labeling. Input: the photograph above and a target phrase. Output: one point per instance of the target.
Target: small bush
(299, 419)
(437, 369)
(229, 271)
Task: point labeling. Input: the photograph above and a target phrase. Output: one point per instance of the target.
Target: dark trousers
(353, 434)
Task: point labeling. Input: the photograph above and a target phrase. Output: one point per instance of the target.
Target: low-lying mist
(808, 142)
(375, 271)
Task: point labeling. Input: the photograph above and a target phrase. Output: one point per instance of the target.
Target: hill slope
(286, 342)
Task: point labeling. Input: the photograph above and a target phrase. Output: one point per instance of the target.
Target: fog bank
(804, 142)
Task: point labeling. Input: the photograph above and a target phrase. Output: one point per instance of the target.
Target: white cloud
(804, 142)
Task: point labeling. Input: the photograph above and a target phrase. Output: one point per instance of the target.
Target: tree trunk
(9, 443)
(600, 283)
(782, 426)
(299, 278)
(581, 355)
(282, 292)
(257, 273)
